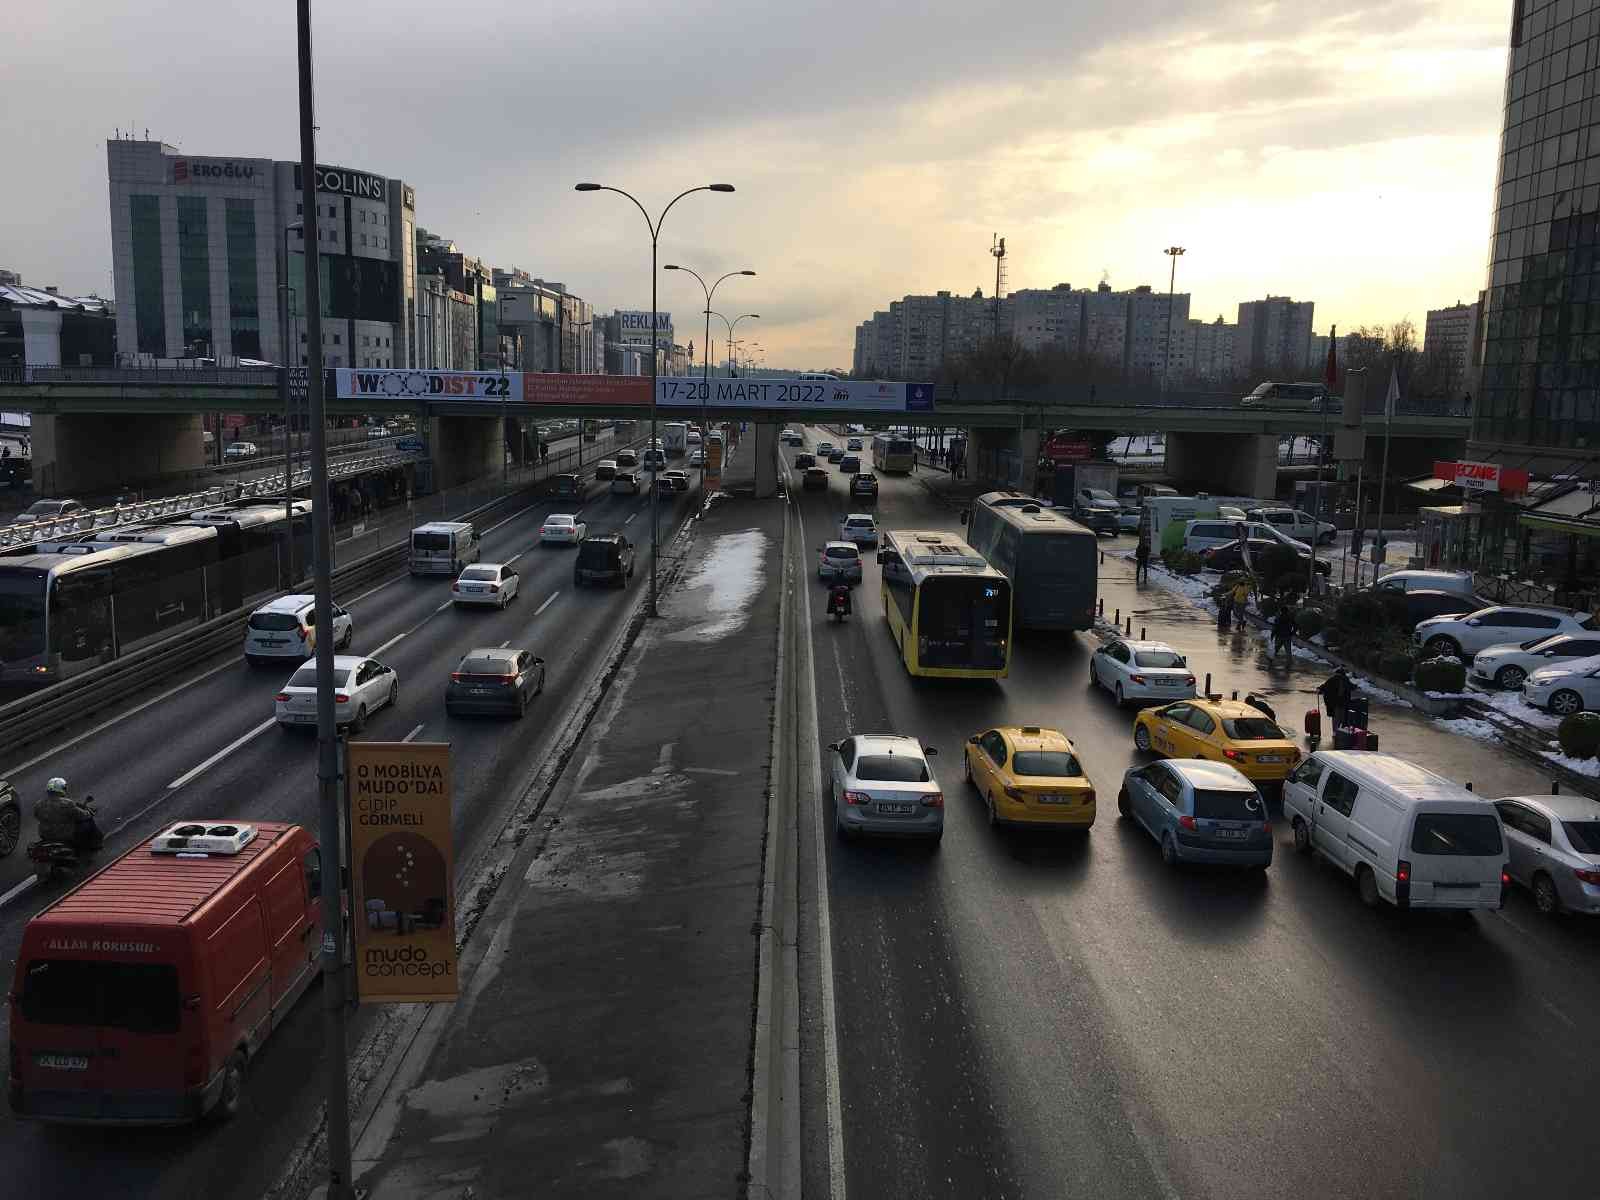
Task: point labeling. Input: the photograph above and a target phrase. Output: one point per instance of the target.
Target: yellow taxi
(1028, 775)
(1229, 731)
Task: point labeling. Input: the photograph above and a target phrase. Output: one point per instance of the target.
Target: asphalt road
(1029, 1015)
(206, 748)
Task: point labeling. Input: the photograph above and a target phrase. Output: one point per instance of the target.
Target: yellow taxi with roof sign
(1029, 775)
(1232, 731)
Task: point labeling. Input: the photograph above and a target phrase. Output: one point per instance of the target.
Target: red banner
(549, 387)
(1482, 477)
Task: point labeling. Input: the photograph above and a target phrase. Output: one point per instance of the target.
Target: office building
(199, 247)
(1274, 338)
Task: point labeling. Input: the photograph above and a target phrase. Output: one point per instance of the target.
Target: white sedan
(697, 458)
(859, 528)
(1132, 670)
(1572, 686)
(485, 583)
(563, 528)
(361, 686)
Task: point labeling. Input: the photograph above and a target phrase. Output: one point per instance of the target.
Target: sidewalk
(602, 1044)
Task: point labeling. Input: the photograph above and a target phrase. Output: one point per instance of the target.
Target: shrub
(1181, 562)
(1395, 665)
(1359, 610)
(1308, 622)
(1579, 734)
(1441, 675)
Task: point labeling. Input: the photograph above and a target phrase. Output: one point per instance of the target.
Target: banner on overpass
(352, 383)
(546, 387)
(795, 395)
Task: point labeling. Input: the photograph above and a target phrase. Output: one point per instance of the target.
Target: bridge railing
(90, 520)
(239, 376)
(1122, 395)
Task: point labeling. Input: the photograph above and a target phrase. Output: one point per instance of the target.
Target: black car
(836, 454)
(604, 558)
(864, 486)
(494, 680)
(569, 485)
(816, 479)
(1230, 556)
(802, 461)
(10, 819)
(1425, 603)
(850, 464)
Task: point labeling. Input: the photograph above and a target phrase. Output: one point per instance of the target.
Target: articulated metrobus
(1050, 559)
(892, 454)
(948, 610)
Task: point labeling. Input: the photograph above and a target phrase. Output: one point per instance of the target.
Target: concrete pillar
(464, 449)
(1003, 458)
(41, 337)
(105, 452)
(765, 449)
(1225, 464)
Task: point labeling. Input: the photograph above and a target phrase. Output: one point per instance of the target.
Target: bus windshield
(963, 622)
(21, 613)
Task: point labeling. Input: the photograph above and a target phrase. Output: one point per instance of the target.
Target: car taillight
(194, 1067)
(1266, 828)
(281, 696)
(936, 800)
(1137, 678)
(854, 799)
(1587, 876)
(302, 633)
(1505, 879)
(1402, 872)
(508, 680)
(457, 677)
(1189, 679)
(1186, 822)
(341, 698)
(494, 587)
(455, 587)
(1234, 755)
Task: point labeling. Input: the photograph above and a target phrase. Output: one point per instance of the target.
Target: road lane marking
(515, 556)
(546, 604)
(707, 771)
(505, 643)
(631, 516)
(830, 1029)
(444, 606)
(387, 644)
(192, 772)
(104, 725)
(21, 887)
(412, 734)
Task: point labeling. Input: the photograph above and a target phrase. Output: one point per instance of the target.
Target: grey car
(881, 783)
(1554, 846)
(1200, 811)
(494, 680)
(839, 561)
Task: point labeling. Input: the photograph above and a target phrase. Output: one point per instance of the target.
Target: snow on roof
(28, 297)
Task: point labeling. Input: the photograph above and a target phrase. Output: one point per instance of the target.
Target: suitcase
(1357, 712)
(1313, 722)
(1343, 737)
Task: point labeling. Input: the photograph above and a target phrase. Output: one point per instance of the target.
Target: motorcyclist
(63, 819)
(839, 599)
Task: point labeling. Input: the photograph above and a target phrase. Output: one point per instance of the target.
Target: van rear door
(1457, 853)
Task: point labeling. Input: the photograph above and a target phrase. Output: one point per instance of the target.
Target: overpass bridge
(93, 423)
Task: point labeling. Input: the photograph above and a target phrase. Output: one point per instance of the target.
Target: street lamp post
(705, 365)
(655, 353)
(1172, 252)
(285, 305)
(731, 326)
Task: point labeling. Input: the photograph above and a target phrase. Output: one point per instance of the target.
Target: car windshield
(1157, 658)
(1228, 806)
(1058, 764)
(481, 573)
(306, 677)
(842, 552)
(564, 521)
(21, 613)
(892, 768)
(1584, 836)
(479, 664)
(273, 622)
(1252, 729)
(1463, 834)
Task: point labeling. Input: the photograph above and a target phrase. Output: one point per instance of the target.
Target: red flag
(1331, 375)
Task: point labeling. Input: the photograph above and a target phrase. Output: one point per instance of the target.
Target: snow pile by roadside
(1578, 766)
(1513, 705)
(731, 574)
(1473, 727)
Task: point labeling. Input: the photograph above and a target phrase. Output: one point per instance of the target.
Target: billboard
(806, 396)
(402, 872)
(351, 383)
(549, 387)
(635, 327)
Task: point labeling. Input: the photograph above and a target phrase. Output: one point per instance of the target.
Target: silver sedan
(1554, 846)
(881, 783)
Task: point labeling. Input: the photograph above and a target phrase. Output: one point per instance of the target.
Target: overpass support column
(1226, 464)
(465, 448)
(103, 452)
(765, 448)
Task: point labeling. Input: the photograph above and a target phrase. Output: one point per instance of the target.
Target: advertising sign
(402, 871)
(352, 383)
(808, 396)
(548, 387)
(713, 451)
(342, 181)
(635, 327)
(1482, 477)
(220, 170)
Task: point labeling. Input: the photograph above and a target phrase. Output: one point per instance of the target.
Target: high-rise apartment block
(1447, 340)
(1274, 338)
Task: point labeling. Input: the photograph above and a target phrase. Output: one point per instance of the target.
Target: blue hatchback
(1200, 811)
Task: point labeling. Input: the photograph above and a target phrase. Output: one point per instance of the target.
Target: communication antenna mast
(998, 249)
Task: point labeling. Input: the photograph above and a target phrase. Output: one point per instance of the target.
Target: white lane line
(387, 644)
(516, 514)
(707, 771)
(546, 604)
(631, 516)
(223, 753)
(830, 1029)
(515, 556)
(444, 606)
(412, 734)
(18, 890)
(104, 725)
(503, 645)
(374, 591)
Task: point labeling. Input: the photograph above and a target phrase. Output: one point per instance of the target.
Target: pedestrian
(544, 451)
(1141, 562)
(1283, 631)
(1241, 597)
(1335, 692)
(916, 456)
(1225, 609)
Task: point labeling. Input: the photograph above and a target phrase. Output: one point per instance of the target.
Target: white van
(281, 629)
(1409, 836)
(443, 547)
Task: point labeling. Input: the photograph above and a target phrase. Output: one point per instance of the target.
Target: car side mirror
(834, 746)
(538, 660)
(929, 750)
(973, 740)
(963, 516)
(1474, 621)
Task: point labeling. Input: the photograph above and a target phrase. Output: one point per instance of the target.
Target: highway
(1028, 1015)
(206, 746)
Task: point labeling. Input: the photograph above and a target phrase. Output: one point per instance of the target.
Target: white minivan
(281, 629)
(1409, 836)
(443, 547)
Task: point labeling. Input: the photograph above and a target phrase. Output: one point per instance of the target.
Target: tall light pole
(705, 363)
(655, 352)
(1172, 252)
(285, 304)
(731, 326)
(332, 846)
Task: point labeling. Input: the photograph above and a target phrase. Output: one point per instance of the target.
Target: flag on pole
(1331, 375)
(1394, 394)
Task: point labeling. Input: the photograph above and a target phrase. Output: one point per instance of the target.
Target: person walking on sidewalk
(1141, 562)
(1241, 598)
(1283, 631)
(1335, 692)
(1225, 609)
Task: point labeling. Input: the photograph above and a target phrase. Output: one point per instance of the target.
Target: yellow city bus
(948, 610)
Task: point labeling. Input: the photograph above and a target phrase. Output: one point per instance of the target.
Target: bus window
(21, 614)
(80, 616)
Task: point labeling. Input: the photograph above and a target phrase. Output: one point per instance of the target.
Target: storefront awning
(1573, 525)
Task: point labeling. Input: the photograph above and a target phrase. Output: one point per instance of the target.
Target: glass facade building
(1539, 385)
(244, 315)
(194, 274)
(144, 214)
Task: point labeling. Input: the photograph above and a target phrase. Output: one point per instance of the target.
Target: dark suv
(607, 558)
(864, 486)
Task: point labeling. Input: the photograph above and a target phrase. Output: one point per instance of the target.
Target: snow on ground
(1579, 766)
(732, 573)
(1513, 705)
(1472, 727)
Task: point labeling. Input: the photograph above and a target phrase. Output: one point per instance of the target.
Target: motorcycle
(10, 819)
(839, 602)
(51, 859)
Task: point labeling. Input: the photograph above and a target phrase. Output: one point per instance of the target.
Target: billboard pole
(332, 856)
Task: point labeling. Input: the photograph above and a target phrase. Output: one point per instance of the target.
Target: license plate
(1269, 758)
(1054, 799)
(897, 810)
(1470, 887)
(1232, 834)
(61, 1062)
(303, 718)
(1169, 683)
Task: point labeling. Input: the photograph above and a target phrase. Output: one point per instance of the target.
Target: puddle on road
(470, 1103)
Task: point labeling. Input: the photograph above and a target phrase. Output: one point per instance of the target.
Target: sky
(1339, 151)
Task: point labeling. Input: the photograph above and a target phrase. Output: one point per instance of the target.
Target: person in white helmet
(63, 819)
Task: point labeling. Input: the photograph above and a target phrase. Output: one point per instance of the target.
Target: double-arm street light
(655, 352)
(1172, 252)
(705, 364)
(731, 326)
